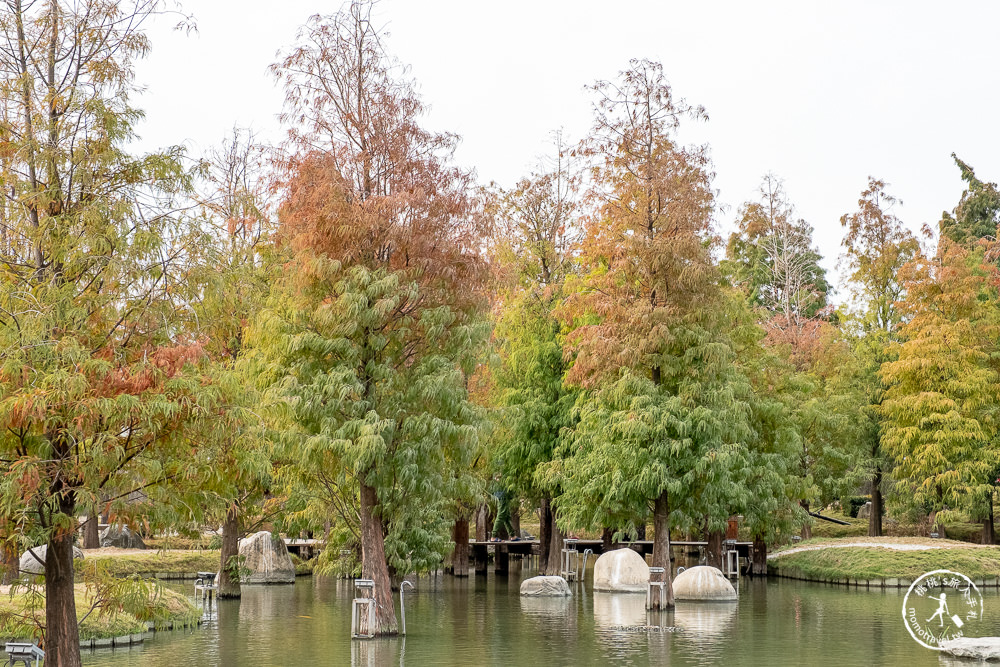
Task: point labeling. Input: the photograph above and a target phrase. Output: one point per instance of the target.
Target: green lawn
(879, 563)
(148, 563)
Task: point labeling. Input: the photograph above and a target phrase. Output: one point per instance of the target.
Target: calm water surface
(483, 621)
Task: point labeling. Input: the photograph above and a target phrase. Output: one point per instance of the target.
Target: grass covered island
(22, 613)
(884, 561)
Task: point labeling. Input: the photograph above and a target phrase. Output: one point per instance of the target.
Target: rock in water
(621, 571)
(122, 538)
(977, 648)
(544, 587)
(703, 583)
(267, 559)
(33, 560)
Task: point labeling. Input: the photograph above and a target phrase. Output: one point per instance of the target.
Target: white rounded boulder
(703, 583)
(33, 560)
(544, 587)
(621, 571)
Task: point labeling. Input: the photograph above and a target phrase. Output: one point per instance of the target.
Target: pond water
(483, 621)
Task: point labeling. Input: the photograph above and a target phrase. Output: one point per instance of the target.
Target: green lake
(484, 621)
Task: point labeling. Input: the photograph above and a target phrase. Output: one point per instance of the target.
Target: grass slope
(18, 620)
(879, 563)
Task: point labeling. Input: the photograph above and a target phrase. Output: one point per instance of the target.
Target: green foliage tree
(940, 398)
(374, 332)
(978, 211)
(772, 258)
(93, 390)
(536, 225)
(233, 269)
(876, 246)
(665, 408)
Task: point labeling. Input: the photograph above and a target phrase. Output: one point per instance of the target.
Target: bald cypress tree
(374, 331)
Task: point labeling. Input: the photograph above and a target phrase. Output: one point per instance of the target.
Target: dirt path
(895, 543)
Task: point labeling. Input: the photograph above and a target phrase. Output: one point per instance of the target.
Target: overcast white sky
(822, 94)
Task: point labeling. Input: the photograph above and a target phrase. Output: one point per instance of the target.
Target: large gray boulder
(544, 587)
(121, 537)
(976, 648)
(621, 571)
(33, 560)
(866, 511)
(703, 583)
(267, 559)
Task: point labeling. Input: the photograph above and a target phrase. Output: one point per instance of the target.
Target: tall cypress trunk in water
(759, 566)
(554, 566)
(229, 585)
(661, 546)
(373, 563)
(875, 517)
(460, 557)
(544, 533)
(714, 548)
(91, 532)
(62, 636)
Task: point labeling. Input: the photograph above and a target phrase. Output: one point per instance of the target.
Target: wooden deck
(503, 549)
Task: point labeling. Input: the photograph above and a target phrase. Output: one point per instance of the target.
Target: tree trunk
(661, 546)
(807, 531)
(482, 524)
(501, 557)
(713, 551)
(989, 536)
(460, 556)
(91, 531)
(62, 635)
(875, 516)
(607, 540)
(11, 562)
(373, 562)
(229, 585)
(554, 566)
(759, 565)
(544, 533)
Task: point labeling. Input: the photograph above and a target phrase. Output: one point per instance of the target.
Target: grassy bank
(150, 563)
(21, 614)
(873, 563)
